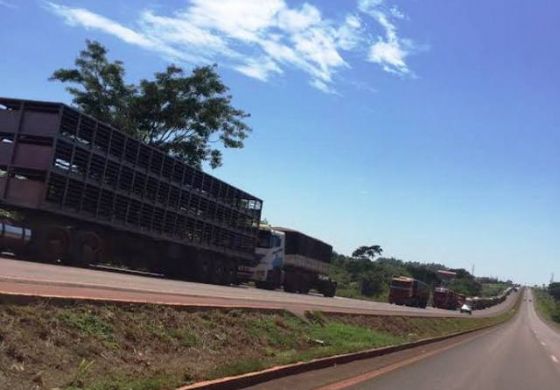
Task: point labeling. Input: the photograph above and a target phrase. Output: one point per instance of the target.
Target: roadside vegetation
(368, 278)
(548, 302)
(493, 289)
(66, 345)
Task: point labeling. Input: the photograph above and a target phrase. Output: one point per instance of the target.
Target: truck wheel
(87, 248)
(203, 270)
(304, 286)
(230, 272)
(170, 270)
(264, 285)
(52, 244)
(289, 285)
(218, 275)
(329, 291)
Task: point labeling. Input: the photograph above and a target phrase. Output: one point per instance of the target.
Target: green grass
(546, 306)
(238, 367)
(323, 337)
(128, 383)
(492, 289)
(88, 324)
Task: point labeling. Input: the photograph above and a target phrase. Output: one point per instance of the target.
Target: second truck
(292, 260)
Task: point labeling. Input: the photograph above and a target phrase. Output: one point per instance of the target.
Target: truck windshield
(264, 239)
(401, 284)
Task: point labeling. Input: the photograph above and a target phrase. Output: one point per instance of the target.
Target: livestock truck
(292, 260)
(408, 291)
(86, 192)
(445, 298)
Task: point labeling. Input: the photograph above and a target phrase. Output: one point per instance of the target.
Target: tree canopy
(554, 290)
(187, 116)
(358, 274)
(367, 252)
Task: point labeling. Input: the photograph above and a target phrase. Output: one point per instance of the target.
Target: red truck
(445, 298)
(408, 291)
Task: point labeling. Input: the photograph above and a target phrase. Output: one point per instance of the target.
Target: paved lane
(520, 355)
(48, 279)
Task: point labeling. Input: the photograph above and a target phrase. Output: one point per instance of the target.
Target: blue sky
(431, 128)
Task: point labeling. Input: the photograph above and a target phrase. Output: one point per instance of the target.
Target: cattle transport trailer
(87, 192)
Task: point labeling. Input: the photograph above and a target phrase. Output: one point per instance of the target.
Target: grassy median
(53, 344)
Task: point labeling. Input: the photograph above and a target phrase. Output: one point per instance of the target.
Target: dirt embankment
(48, 344)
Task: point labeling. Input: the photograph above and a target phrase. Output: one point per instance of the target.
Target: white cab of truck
(270, 252)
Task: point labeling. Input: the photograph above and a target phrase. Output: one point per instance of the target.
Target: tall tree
(367, 252)
(188, 116)
(180, 114)
(98, 86)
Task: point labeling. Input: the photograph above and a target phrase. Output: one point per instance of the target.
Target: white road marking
(543, 343)
(554, 358)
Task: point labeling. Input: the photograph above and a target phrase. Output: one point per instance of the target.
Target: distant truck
(408, 291)
(480, 303)
(292, 260)
(445, 298)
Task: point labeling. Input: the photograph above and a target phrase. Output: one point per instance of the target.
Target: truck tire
(304, 286)
(290, 283)
(203, 272)
(329, 291)
(86, 248)
(218, 275)
(51, 243)
(230, 272)
(264, 285)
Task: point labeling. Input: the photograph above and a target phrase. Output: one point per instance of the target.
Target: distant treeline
(371, 278)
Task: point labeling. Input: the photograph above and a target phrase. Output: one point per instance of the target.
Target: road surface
(522, 354)
(56, 280)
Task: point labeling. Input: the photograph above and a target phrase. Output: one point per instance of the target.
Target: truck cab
(270, 253)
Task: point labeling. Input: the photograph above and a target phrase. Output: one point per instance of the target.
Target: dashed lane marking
(554, 359)
(543, 343)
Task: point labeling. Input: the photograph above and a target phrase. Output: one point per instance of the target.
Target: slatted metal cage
(54, 158)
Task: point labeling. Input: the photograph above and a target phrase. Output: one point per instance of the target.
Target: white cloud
(322, 86)
(389, 55)
(6, 4)
(396, 12)
(260, 68)
(259, 38)
(80, 16)
(349, 33)
(244, 20)
(389, 51)
(296, 20)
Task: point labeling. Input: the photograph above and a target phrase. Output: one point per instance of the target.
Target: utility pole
(552, 278)
(472, 270)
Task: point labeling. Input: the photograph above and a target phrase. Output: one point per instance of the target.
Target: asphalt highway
(522, 354)
(30, 278)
